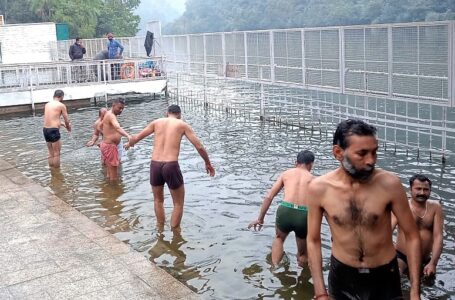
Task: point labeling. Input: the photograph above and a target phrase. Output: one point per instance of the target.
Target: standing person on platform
(77, 50)
(291, 215)
(429, 219)
(53, 110)
(357, 201)
(112, 134)
(114, 51)
(164, 167)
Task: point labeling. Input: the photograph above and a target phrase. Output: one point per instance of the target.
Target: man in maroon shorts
(164, 167)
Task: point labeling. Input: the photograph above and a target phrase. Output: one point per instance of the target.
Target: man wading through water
(357, 200)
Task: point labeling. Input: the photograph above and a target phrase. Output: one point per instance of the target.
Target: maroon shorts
(162, 172)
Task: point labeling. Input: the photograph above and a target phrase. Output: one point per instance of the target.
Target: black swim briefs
(51, 135)
(380, 283)
(166, 172)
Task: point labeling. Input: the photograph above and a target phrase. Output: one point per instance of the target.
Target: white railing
(404, 61)
(19, 77)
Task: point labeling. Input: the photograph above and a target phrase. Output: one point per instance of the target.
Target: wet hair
(419, 177)
(59, 94)
(305, 157)
(119, 100)
(351, 127)
(174, 109)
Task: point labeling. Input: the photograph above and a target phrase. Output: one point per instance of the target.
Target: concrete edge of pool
(49, 250)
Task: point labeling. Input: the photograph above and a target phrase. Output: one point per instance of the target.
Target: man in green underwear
(291, 215)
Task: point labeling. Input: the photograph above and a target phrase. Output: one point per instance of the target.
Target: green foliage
(230, 15)
(86, 18)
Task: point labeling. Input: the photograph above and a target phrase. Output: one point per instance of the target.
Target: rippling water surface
(215, 254)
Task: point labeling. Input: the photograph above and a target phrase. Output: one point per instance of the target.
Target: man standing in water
(429, 219)
(357, 200)
(112, 135)
(164, 167)
(97, 127)
(53, 110)
(291, 215)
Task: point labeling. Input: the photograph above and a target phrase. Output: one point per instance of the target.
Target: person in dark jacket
(77, 50)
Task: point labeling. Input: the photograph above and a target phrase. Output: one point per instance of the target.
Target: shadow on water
(214, 254)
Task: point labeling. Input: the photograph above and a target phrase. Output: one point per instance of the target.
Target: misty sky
(159, 10)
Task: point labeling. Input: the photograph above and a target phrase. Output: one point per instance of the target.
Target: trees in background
(230, 15)
(85, 18)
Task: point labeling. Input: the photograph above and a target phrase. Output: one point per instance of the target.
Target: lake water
(215, 254)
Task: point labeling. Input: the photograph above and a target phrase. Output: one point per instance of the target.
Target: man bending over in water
(97, 128)
(164, 167)
(112, 134)
(357, 200)
(429, 219)
(291, 215)
(53, 110)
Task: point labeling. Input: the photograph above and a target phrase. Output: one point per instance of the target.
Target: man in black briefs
(164, 167)
(53, 110)
(357, 201)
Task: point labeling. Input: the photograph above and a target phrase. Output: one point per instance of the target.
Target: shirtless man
(357, 200)
(164, 167)
(429, 219)
(112, 134)
(291, 215)
(97, 127)
(53, 110)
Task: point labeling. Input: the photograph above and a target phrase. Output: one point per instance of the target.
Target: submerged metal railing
(20, 77)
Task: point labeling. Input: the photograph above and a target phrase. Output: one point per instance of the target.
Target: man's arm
(438, 227)
(191, 136)
(276, 188)
(66, 118)
(315, 214)
(117, 127)
(400, 208)
(121, 47)
(148, 130)
(70, 52)
(95, 136)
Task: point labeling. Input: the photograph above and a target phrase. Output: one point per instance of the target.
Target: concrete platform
(49, 250)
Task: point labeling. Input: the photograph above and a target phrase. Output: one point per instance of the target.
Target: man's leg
(112, 173)
(178, 198)
(50, 158)
(158, 202)
(277, 246)
(56, 148)
(302, 255)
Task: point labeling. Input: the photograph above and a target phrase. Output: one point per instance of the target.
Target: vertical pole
(302, 34)
(188, 52)
(31, 90)
(245, 43)
(272, 56)
(223, 52)
(342, 61)
(390, 59)
(451, 61)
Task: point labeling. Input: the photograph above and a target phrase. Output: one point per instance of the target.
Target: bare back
(168, 137)
(295, 182)
(356, 212)
(53, 110)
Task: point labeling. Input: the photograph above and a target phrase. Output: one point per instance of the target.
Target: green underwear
(294, 206)
(292, 217)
